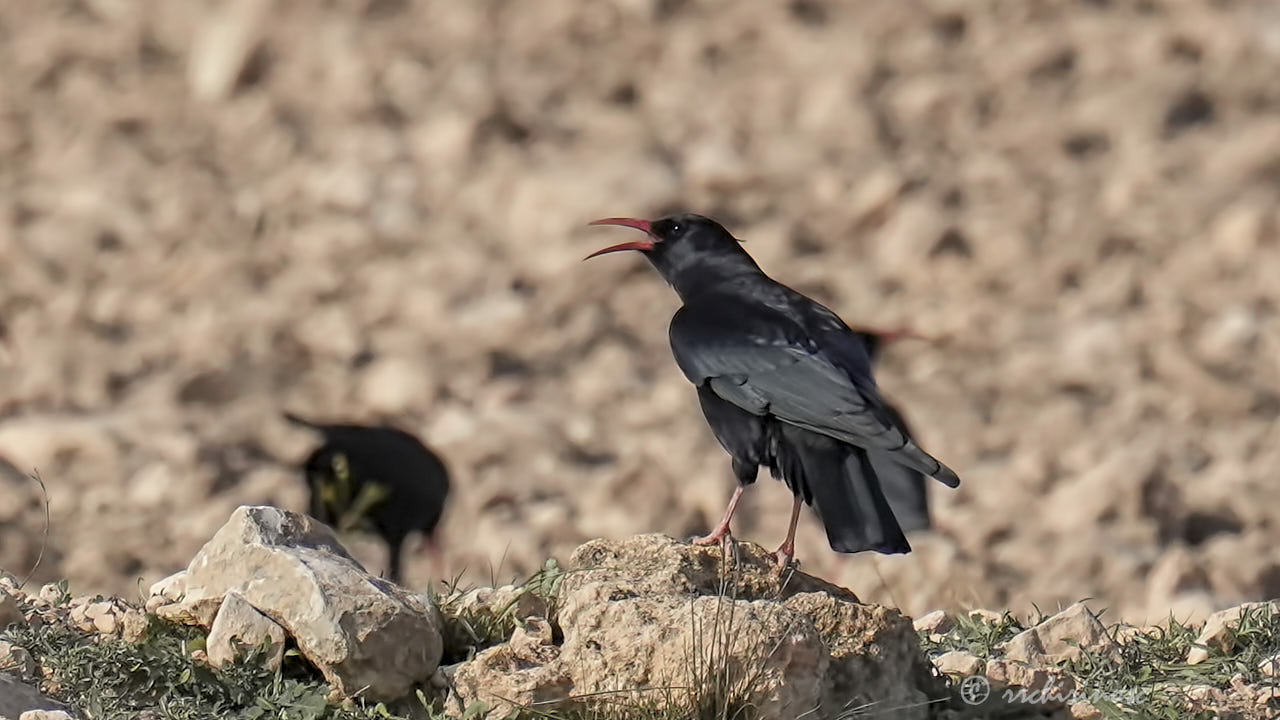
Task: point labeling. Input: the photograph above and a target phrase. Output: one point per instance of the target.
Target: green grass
(111, 679)
(468, 630)
(1149, 670)
(975, 635)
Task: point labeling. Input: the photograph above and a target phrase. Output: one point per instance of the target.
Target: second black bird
(784, 384)
(378, 476)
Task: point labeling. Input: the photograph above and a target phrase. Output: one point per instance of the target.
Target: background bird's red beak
(641, 245)
(903, 333)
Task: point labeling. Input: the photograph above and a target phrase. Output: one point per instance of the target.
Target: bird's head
(685, 248)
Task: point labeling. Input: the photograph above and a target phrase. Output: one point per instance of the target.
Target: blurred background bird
(376, 478)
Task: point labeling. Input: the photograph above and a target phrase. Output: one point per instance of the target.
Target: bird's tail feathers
(913, 457)
(847, 497)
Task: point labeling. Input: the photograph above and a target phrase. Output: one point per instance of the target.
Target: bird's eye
(675, 228)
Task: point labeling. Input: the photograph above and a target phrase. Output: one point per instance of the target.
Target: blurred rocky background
(373, 210)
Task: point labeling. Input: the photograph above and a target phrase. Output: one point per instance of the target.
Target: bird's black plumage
(405, 483)
(905, 488)
(783, 382)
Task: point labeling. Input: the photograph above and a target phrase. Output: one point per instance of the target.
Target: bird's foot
(786, 559)
(719, 535)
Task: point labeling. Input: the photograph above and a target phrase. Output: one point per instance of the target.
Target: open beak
(642, 245)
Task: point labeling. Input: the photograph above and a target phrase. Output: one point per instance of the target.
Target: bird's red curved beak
(641, 245)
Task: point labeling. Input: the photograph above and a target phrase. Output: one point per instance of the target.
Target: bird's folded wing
(765, 363)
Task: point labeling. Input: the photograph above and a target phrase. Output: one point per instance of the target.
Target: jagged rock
(362, 632)
(51, 594)
(1270, 666)
(633, 613)
(133, 626)
(959, 663)
(523, 671)
(1059, 638)
(15, 660)
(1014, 682)
(653, 564)
(96, 614)
(1219, 630)
(874, 653)
(18, 698)
(508, 599)
(937, 622)
(239, 627)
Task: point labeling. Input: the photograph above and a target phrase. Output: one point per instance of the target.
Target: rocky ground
(273, 618)
(211, 212)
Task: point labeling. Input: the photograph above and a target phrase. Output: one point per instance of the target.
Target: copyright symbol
(975, 689)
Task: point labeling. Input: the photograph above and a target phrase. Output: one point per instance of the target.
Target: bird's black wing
(766, 363)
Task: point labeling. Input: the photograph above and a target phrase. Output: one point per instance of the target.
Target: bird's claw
(786, 560)
(719, 535)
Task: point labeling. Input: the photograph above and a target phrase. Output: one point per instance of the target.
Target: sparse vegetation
(974, 634)
(470, 628)
(109, 678)
(1150, 670)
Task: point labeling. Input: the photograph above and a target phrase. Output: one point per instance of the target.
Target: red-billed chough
(784, 384)
(383, 476)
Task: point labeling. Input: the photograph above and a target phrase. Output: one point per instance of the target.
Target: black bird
(378, 476)
(784, 384)
(904, 487)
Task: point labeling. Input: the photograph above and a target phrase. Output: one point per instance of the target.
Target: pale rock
(524, 673)
(361, 632)
(631, 611)
(105, 624)
(169, 589)
(1270, 666)
(938, 622)
(657, 564)
(1085, 710)
(239, 627)
(1219, 630)
(874, 653)
(1060, 637)
(223, 46)
(51, 594)
(15, 660)
(102, 616)
(959, 663)
(1022, 684)
(133, 626)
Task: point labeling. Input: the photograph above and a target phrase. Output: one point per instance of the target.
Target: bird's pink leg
(722, 530)
(786, 552)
